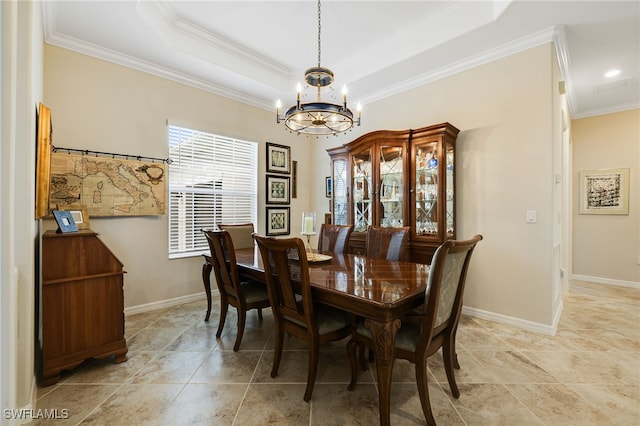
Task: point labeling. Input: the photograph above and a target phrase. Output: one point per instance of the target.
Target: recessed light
(612, 73)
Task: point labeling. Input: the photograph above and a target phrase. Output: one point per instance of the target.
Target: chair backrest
(223, 258)
(445, 287)
(287, 276)
(241, 234)
(334, 238)
(387, 243)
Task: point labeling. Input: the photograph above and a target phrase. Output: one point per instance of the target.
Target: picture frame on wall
(277, 189)
(294, 179)
(328, 187)
(604, 191)
(278, 158)
(43, 161)
(278, 221)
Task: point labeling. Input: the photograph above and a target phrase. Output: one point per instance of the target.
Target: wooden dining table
(377, 290)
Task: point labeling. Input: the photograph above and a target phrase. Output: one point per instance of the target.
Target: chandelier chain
(319, 31)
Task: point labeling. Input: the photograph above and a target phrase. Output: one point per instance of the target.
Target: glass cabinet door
(426, 180)
(362, 190)
(450, 184)
(391, 195)
(340, 192)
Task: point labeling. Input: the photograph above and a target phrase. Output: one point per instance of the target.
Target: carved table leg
(384, 339)
(206, 281)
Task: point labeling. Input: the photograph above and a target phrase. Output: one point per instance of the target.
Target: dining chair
(241, 234)
(243, 295)
(387, 243)
(287, 276)
(334, 238)
(435, 327)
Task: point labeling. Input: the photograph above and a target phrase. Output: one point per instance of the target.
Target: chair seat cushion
(407, 337)
(330, 319)
(254, 291)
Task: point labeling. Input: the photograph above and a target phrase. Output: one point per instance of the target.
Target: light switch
(531, 216)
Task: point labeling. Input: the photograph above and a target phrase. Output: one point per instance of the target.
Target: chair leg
(260, 314)
(352, 347)
(450, 360)
(242, 318)
(277, 354)
(423, 390)
(314, 348)
(224, 307)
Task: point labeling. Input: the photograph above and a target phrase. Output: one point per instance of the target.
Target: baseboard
(606, 281)
(148, 307)
(515, 322)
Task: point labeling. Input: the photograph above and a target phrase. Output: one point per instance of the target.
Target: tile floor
(179, 373)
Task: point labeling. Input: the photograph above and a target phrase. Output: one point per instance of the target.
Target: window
(212, 179)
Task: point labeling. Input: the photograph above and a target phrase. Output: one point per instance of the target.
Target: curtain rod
(112, 154)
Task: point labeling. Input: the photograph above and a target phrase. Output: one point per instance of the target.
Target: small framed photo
(294, 179)
(278, 221)
(278, 158)
(81, 218)
(604, 191)
(328, 187)
(65, 221)
(277, 189)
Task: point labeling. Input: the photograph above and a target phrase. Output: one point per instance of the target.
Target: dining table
(378, 291)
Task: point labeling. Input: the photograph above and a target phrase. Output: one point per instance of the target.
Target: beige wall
(505, 113)
(505, 157)
(606, 248)
(21, 90)
(102, 106)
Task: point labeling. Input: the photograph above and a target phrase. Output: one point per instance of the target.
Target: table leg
(206, 281)
(384, 341)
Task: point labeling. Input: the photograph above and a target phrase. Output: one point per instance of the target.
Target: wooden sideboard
(82, 303)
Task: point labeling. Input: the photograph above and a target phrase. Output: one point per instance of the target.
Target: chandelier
(318, 118)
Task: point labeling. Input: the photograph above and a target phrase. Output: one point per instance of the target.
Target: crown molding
(154, 69)
(508, 49)
(607, 110)
(196, 41)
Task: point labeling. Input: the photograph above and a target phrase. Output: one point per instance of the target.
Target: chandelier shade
(318, 118)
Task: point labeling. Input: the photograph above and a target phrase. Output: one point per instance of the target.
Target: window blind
(212, 179)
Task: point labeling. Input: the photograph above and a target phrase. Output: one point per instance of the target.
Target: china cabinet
(397, 178)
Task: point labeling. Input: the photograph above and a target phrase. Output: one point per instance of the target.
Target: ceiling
(256, 51)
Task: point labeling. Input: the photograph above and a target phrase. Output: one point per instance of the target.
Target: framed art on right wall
(604, 191)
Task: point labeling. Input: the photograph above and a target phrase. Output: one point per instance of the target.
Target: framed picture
(278, 221)
(328, 187)
(65, 221)
(278, 158)
(294, 179)
(43, 161)
(81, 218)
(604, 191)
(277, 190)
(327, 218)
